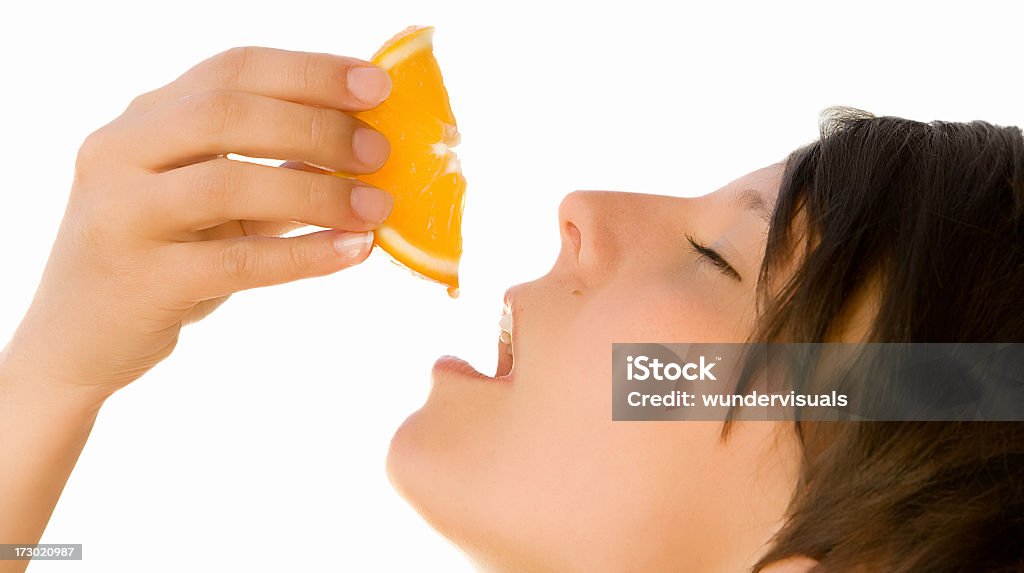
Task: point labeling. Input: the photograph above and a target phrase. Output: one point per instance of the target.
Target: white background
(260, 444)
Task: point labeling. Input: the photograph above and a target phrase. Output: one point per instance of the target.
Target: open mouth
(506, 356)
(506, 349)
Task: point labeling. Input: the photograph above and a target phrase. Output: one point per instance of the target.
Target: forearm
(44, 424)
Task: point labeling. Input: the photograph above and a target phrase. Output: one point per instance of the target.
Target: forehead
(765, 181)
(755, 192)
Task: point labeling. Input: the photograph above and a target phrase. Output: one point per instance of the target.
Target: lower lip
(453, 365)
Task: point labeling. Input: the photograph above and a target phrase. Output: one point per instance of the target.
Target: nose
(599, 229)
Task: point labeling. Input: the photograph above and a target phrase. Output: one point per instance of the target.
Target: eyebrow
(753, 200)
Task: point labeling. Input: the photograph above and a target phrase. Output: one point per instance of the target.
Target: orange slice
(424, 230)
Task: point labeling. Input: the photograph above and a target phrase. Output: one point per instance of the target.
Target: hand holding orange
(424, 230)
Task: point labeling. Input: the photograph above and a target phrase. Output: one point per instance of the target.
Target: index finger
(310, 78)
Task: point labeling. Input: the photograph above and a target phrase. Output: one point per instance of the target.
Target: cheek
(565, 391)
(676, 310)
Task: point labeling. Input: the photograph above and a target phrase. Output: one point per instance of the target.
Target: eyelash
(709, 255)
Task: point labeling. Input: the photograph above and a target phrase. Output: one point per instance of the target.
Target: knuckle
(93, 151)
(312, 75)
(318, 128)
(309, 194)
(300, 257)
(143, 101)
(94, 144)
(217, 111)
(239, 262)
(213, 182)
(233, 66)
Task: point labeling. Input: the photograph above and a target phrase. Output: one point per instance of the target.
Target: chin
(443, 462)
(400, 457)
(421, 467)
(409, 472)
(417, 471)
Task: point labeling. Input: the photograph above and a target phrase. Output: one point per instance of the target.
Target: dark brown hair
(931, 216)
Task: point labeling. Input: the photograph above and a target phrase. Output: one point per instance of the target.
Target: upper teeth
(505, 324)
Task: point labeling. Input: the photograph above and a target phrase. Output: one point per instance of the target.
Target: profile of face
(526, 471)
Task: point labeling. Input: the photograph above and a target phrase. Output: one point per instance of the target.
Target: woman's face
(527, 471)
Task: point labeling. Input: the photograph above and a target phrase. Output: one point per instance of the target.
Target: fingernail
(371, 148)
(369, 85)
(371, 204)
(351, 245)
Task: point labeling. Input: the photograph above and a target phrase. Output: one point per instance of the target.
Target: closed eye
(709, 255)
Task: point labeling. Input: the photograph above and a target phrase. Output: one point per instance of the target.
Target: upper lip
(508, 297)
(510, 301)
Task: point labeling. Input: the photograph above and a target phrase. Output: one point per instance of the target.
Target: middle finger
(198, 127)
(213, 192)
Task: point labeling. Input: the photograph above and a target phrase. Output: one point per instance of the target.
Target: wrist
(26, 377)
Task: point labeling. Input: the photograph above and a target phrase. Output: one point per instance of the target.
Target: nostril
(573, 233)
